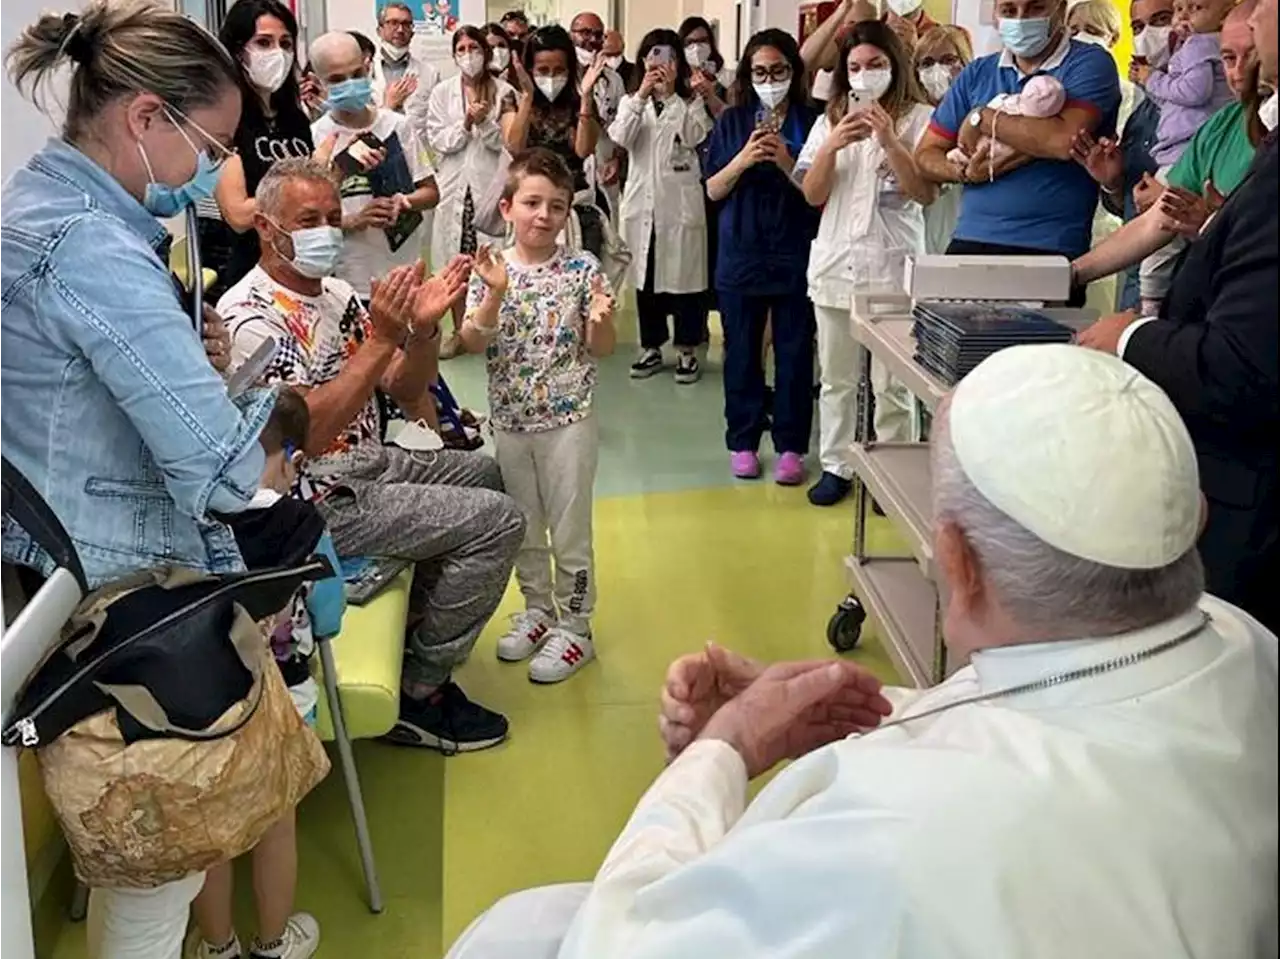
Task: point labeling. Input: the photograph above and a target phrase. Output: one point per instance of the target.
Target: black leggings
(688, 310)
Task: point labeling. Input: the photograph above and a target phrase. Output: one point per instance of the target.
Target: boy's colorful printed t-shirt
(541, 375)
(315, 335)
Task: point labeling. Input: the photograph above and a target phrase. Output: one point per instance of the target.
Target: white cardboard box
(1039, 279)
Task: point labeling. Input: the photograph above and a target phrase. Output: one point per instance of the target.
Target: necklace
(1084, 672)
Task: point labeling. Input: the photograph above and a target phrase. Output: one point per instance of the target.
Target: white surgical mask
(1092, 39)
(393, 52)
(268, 69)
(471, 64)
(585, 56)
(1152, 44)
(936, 80)
(870, 83)
(550, 86)
(822, 83)
(905, 8)
(772, 93)
(501, 58)
(1267, 113)
(316, 251)
(613, 62)
(697, 54)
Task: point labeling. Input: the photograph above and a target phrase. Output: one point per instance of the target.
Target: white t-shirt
(868, 225)
(368, 253)
(315, 337)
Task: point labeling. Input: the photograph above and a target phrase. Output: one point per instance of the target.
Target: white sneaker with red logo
(527, 634)
(562, 655)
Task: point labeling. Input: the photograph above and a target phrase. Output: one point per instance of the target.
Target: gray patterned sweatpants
(446, 511)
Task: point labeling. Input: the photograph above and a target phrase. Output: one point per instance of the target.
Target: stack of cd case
(953, 338)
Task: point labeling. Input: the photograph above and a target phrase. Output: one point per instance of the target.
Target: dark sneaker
(829, 490)
(648, 363)
(449, 722)
(687, 369)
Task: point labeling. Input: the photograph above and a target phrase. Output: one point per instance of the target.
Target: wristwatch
(975, 119)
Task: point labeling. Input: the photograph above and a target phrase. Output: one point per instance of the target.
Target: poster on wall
(978, 17)
(432, 18)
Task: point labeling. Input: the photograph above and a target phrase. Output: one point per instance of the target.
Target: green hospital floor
(685, 554)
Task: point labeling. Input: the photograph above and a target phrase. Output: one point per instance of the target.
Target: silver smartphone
(248, 373)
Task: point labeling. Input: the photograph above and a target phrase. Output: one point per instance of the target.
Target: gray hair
(269, 198)
(382, 14)
(120, 48)
(1049, 593)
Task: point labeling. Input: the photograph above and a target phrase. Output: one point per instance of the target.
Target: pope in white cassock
(1100, 782)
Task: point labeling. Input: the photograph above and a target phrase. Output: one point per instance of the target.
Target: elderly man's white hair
(331, 46)
(269, 197)
(1049, 593)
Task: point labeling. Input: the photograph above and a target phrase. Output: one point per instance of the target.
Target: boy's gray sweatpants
(446, 511)
(551, 474)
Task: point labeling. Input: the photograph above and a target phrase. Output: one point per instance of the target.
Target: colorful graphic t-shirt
(541, 375)
(315, 336)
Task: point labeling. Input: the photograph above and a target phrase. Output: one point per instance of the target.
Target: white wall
(24, 127)
(362, 14)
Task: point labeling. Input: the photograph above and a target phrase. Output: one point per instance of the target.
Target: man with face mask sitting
(1098, 781)
(1033, 200)
(442, 510)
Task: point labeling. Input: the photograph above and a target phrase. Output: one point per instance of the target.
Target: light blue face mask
(163, 200)
(1025, 38)
(316, 250)
(350, 95)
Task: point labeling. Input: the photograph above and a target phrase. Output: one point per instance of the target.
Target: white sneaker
(527, 634)
(300, 940)
(562, 654)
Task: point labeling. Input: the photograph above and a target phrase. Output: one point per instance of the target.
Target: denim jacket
(111, 408)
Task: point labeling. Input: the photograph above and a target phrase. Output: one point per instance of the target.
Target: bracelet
(486, 331)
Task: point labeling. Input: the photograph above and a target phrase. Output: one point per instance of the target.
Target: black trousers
(978, 248)
(687, 310)
(744, 318)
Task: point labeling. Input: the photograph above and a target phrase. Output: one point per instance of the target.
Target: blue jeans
(744, 317)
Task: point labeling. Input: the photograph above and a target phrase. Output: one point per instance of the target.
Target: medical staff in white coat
(402, 81)
(663, 220)
(466, 118)
(858, 167)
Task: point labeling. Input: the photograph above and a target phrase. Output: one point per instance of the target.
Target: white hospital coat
(465, 159)
(1125, 816)
(868, 226)
(663, 194)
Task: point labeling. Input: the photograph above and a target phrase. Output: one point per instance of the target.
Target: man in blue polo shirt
(1037, 201)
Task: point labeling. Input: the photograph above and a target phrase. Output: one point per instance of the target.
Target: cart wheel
(845, 627)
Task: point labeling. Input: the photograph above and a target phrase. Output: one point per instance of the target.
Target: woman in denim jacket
(111, 407)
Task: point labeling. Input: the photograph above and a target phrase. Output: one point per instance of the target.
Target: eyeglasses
(214, 150)
(398, 24)
(775, 73)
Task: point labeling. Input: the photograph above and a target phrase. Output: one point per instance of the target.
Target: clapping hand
(1100, 157)
(602, 303)
(522, 76)
(594, 72)
(696, 687)
(491, 267)
(476, 112)
(795, 708)
(1146, 192)
(389, 303)
(435, 295)
(1186, 213)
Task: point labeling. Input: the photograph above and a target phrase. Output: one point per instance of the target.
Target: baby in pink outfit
(1043, 96)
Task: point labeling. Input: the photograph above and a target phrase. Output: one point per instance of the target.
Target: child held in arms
(542, 315)
(278, 530)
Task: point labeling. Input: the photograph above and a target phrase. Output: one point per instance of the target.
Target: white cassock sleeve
(696, 875)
